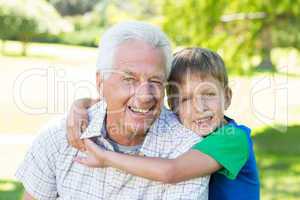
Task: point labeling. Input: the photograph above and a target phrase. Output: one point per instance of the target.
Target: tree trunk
(266, 63)
(24, 40)
(3, 47)
(24, 48)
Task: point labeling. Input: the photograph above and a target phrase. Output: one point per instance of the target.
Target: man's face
(134, 91)
(202, 101)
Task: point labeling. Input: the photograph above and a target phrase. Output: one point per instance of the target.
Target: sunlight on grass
(49, 52)
(10, 190)
(7, 187)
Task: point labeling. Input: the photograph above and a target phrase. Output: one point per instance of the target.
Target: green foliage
(73, 7)
(86, 37)
(238, 30)
(15, 23)
(24, 19)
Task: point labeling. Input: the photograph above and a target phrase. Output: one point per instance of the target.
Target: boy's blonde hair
(194, 60)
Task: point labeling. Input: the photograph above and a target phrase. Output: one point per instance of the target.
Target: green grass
(10, 190)
(279, 162)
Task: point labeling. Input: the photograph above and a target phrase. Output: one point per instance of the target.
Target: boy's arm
(27, 196)
(77, 121)
(192, 164)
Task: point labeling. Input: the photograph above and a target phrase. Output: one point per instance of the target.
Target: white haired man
(133, 66)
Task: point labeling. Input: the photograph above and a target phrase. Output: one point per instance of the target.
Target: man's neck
(125, 139)
(121, 135)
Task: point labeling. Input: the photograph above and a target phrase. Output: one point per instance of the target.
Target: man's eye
(128, 79)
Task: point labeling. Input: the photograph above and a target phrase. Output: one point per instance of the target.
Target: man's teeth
(139, 110)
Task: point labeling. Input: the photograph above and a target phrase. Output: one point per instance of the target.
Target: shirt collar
(97, 115)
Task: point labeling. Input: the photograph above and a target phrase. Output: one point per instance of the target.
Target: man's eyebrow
(130, 73)
(126, 72)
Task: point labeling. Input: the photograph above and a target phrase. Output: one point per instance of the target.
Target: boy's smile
(202, 101)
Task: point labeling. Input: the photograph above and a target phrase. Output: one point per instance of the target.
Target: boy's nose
(200, 105)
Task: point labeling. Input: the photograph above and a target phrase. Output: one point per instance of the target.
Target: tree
(238, 30)
(23, 19)
(73, 7)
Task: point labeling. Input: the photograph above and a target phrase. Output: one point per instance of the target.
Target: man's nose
(145, 93)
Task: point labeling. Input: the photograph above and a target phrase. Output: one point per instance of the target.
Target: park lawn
(277, 158)
(11, 190)
(279, 162)
(72, 67)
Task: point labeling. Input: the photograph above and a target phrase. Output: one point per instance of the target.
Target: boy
(198, 93)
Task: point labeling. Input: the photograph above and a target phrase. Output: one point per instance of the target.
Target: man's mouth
(140, 110)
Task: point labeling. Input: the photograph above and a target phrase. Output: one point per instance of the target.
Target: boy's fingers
(92, 147)
(77, 122)
(74, 137)
(83, 161)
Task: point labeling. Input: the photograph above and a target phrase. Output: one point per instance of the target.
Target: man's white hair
(125, 31)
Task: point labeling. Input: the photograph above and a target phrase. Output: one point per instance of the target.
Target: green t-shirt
(228, 145)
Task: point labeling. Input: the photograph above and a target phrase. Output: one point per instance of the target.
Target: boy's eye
(210, 94)
(185, 99)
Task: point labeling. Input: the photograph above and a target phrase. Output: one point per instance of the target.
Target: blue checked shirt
(48, 170)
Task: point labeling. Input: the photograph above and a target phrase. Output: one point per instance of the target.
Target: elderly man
(133, 66)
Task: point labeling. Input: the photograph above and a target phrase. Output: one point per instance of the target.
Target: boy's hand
(77, 122)
(95, 155)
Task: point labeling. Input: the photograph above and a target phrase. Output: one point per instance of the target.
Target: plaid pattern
(48, 171)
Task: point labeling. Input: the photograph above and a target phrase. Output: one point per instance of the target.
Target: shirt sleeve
(229, 147)
(37, 172)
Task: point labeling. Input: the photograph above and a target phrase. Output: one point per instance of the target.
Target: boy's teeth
(203, 120)
(139, 110)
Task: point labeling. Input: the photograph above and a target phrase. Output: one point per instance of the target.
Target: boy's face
(202, 101)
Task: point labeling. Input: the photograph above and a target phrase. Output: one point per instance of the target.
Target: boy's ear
(228, 96)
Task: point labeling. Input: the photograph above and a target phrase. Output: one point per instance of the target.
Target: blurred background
(48, 55)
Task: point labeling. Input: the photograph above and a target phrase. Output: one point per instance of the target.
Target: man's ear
(99, 83)
(228, 96)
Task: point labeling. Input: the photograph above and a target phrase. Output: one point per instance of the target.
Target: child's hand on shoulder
(95, 155)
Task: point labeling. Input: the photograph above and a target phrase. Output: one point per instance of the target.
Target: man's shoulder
(52, 135)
